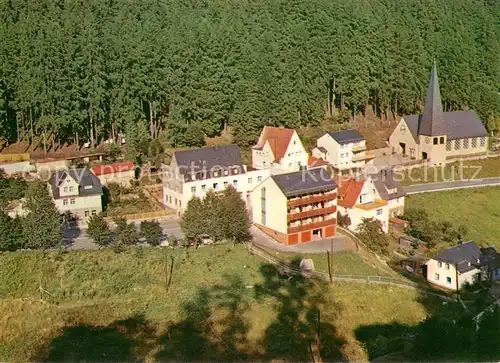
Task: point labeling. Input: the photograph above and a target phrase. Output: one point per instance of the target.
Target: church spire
(432, 121)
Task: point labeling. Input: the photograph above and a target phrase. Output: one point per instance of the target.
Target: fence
(386, 280)
(145, 215)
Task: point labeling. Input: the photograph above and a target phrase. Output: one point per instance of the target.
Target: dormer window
(235, 171)
(226, 172)
(87, 187)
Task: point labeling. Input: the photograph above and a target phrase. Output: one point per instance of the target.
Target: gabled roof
(313, 162)
(466, 256)
(278, 138)
(385, 182)
(304, 182)
(349, 190)
(208, 158)
(459, 125)
(346, 136)
(112, 168)
(432, 121)
(88, 183)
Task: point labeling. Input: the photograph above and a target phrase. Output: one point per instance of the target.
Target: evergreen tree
(98, 230)
(152, 232)
(11, 233)
(193, 219)
(125, 233)
(236, 224)
(41, 226)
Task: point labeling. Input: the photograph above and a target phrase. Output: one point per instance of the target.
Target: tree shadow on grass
(216, 325)
(123, 340)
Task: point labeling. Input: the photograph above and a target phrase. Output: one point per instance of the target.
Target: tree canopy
(74, 71)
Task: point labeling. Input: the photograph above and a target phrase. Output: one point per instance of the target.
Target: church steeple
(432, 121)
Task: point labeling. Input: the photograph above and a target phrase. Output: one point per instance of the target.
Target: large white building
(77, 191)
(279, 149)
(343, 149)
(194, 172)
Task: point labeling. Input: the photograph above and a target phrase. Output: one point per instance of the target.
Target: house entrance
(316, 233)
(403, 148)
(424, 156)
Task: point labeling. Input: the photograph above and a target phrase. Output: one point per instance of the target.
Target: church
(435, 135)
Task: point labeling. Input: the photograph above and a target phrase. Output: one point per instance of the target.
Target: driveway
(340, 243)
(451, 185)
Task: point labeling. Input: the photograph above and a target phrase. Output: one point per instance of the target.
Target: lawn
(223, 304)
(478, 209)
(452, 172)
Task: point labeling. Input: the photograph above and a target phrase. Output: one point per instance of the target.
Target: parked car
(206, 239)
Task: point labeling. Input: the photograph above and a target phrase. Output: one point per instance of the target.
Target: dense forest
(85, 70)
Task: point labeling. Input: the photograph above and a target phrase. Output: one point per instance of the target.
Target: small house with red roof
(279, 148)
(359, 198)
(120, 173)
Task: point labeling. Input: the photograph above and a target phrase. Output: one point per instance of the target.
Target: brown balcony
(365, 156)
(311, 213)
(312, 199)
(357, 149)
(312, 225)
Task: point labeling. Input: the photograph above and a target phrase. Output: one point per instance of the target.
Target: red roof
(278, 138)
(112, 168)
(312, 161)
(348, 191)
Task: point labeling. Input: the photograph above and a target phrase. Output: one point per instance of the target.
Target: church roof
(432, 121)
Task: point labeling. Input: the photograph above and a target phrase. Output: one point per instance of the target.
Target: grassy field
(222, 304)
(482, 168)
(478, 209)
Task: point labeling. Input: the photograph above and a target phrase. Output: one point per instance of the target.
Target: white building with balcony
(343, 149)
(194, 172)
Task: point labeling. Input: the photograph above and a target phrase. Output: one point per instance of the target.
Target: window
(448, 280)
(193, 189)
(225, 184)
(216, 185)
(263, 205)
(249, 180)
(440, 264)
(71, 188)
(94, 212)
(447, 266)
(176, 202)
(342, 146)
(483, 141)
(289, 165)
(448, 145)
(474, 143)
(457, 144)
(170, 199)
(226, 172)
(203, 187)
(72, 201)
(379, 211)
(86, 213)
(436, 277)
(294, 142)
(441, 140)
(180, 204)
(289, 154)
(235, 171)
(466, 143)
(342, 155)
(259, 178)
(65, 202)
(435, 141)
(235, 183)
(65, 189)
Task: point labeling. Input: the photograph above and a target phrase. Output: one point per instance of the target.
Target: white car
(206, 239)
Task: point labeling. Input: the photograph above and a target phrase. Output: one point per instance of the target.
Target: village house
(343, 149)
(457, 266)
(120, 173)
(77, 191)
(296, 207)
(435, 135)
(194, 172)
(279, 149)
(377, 196)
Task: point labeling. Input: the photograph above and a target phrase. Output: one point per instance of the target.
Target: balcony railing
(312, 199)
(356, 149)
(312, 225)
(311, 213)
(361, 157)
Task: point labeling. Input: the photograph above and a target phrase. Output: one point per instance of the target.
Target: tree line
(73, 71)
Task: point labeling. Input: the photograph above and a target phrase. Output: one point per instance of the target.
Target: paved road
(76, 239)
(436, 187)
